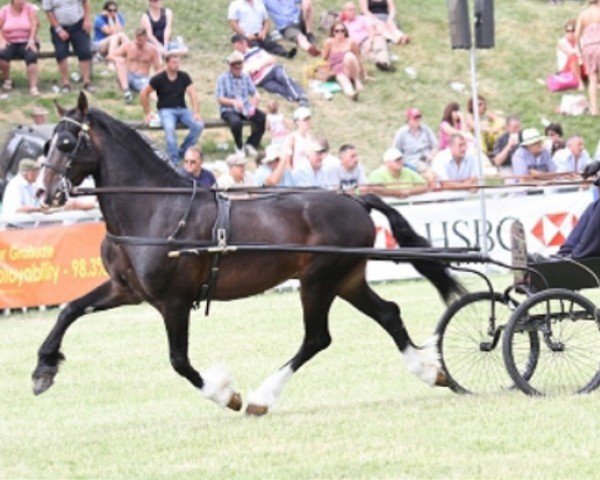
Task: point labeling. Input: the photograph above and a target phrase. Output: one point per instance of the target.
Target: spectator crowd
(264, 34)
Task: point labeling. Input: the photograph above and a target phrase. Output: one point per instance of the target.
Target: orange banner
(50, 265)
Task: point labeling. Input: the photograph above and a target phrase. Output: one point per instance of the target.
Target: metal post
(481, 181)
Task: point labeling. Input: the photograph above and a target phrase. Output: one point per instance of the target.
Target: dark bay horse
(90, 142)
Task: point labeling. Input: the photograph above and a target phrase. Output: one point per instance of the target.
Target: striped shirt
(67, 12)
(239, 88)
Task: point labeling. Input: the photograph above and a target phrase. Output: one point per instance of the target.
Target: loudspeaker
(484, 23)
(460, 28)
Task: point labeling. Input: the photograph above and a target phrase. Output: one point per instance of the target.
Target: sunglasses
(339, 30)
(191, 162)
(113, 10)
(236, 64)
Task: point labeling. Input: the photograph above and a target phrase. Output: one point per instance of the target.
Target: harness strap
(220, 235)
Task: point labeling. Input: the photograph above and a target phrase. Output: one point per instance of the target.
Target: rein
(166, 190)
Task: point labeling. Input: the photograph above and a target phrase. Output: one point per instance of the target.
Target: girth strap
(220, 235)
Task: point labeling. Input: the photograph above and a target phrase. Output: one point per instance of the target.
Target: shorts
(291, 32)
(19, 51)
(78, 38)
(137, 82)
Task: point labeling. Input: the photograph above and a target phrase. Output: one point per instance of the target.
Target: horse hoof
(256, 410)
(441, 380)
(42, 383)
(235, 402)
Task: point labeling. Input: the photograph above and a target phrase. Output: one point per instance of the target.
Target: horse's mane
(131, 141)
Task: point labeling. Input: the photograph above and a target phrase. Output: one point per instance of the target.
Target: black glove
(590, 170)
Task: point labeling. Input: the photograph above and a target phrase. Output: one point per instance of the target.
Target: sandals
(66, 88)
(34, 92)
(7, 85)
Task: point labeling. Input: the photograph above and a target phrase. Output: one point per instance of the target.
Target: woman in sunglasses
(344, 61)
(108, 29)
(567, 53)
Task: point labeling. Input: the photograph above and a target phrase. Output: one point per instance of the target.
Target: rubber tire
(507, 351)
(454, 383)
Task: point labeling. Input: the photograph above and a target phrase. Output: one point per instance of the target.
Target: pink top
(443, 137)
(16, 28)
(358, 29)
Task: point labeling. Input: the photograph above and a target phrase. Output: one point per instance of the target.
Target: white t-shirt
(19, 193)
(250, 16)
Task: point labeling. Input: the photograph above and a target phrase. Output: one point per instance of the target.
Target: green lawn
(117, 409)
(527, 31)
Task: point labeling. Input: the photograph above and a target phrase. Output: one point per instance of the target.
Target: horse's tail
(435, 271)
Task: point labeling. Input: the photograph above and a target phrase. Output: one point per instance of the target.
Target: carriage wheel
(469, 343)
(569, 360)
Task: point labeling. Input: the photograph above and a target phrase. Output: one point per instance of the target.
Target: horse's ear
(61, 111)
(82, 103)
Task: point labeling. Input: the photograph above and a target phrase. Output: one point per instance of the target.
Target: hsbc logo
(553, 228)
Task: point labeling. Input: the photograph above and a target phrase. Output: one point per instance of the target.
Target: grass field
(526, 35)
(117, 409)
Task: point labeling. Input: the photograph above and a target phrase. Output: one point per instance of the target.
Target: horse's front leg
(215, 383)
(108, 295)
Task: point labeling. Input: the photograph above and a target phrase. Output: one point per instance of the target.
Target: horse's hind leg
(106, 296)
(215, 384)
(317, 298)
(422, 362)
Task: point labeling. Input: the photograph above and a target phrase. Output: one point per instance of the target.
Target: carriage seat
(564, 272)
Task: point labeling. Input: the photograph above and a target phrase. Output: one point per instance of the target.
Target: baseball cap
(302, 113)
(413, 112)
(28, 165)
(235, 159)
(272, 153)
(392, 154)
(235, 57)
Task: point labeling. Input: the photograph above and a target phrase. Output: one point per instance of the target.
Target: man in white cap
(19, 196)
(237, 176)
(238, 101)
(274, 170)
(531, 159)
(312, 175)
(392, 179)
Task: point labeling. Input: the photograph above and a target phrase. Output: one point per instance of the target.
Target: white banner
(547, 217)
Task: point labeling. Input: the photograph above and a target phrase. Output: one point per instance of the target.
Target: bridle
(66, 146)
(70, 149)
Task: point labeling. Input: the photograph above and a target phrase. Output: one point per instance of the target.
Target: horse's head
(70, 155)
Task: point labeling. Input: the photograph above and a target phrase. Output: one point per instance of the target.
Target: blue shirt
(102, 21)
(240, 88)
(523, 162)
(263, 172)
(308, 177)
(283, 12)
(206, 179)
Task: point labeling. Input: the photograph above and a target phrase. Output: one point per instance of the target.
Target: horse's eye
(66, 142)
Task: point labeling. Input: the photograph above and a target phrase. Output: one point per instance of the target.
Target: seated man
(249, 19)
(171, 87)
(266, 73)
(192, 168)
(392, 179)
(19, 195)
(132, 61)
(349, 173)
(584, 239)
(573, 158)
(454, 167)
(237, 176)
(294, 21)
(507, 144)
(312, 174)
(274, 170)
(372, 44)
(418, 143)
(531, 159)
(238, 100)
